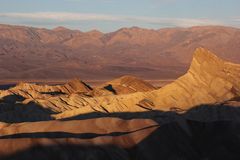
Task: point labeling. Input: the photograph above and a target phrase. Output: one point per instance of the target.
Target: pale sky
(110, 15)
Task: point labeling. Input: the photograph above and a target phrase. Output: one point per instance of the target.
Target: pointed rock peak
(128, 77)
(61, 28)
(123, 85)
(121, 30)
(202, 54)
(124, 78)
(21, 84)
(74, 81)
(78, 84)
(131, 81)
(205, 58)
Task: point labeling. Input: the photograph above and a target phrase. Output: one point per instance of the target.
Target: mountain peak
(95, 32)
(132, 29)
(60, 28)
(205, 54)
(204, 58)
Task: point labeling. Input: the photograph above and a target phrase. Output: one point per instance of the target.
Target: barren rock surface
(194, 117)
(209, 80)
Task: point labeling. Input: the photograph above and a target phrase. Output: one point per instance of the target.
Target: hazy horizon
(105, 32)
(110, 15)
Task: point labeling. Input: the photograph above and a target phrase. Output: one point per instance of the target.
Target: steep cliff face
(209, 80)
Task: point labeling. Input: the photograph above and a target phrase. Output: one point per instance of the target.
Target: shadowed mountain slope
(165, 136)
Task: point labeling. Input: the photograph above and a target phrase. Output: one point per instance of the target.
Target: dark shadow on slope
(235, 99)
(12, 110)
(168, 142)
(12, 99)
(70, 135)
(205, 132)
(205, 141)
(202, 141)
(216, 140)
(158, 116)
(6, 86)
(71, 152)
(110, 88)
(87, 85)
(53, 93)
(188, 136)
(208, 113)
(198, 113)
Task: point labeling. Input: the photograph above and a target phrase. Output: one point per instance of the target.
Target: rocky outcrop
(33, 91)
(67, 97)
(73, 86)
(123, 85)
(209, 80)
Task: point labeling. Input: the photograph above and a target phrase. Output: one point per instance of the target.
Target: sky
(110, 15)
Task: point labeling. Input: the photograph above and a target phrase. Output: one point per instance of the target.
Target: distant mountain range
(61, 53)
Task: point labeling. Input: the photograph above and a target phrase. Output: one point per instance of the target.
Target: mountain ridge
(163, 53)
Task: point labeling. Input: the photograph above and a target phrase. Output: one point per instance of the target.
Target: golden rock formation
(209, 80)
(76, 120)
(123, 85)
